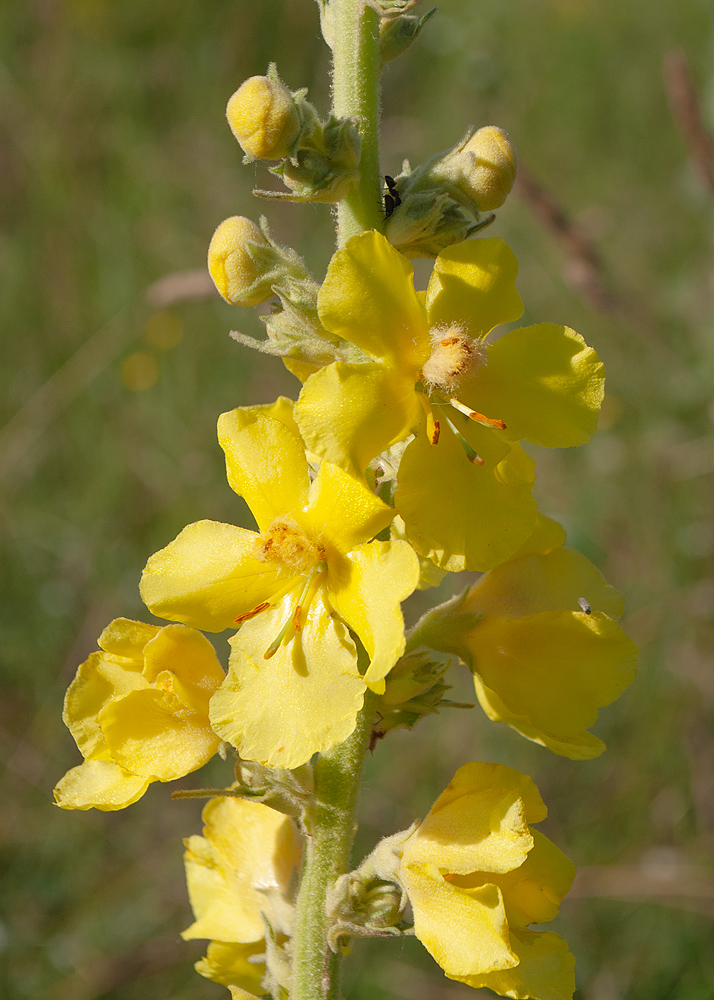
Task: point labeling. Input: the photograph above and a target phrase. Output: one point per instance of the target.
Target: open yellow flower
(477, 876)
(138, 711)
(548, 652)
(464, 484)
(238, 874)
(293, 588)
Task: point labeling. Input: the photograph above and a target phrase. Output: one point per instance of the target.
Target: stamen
(470, 453)
(475, 415)
(239, 619)
(433, 428)
(258, 609)
(293, 623)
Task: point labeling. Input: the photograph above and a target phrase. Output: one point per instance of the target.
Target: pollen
(454, 357)
(288, 545)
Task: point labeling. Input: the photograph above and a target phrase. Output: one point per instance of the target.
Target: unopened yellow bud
(235, 272)
(488, 167)
(264, 118)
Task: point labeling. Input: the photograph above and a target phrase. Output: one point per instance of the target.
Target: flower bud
(396, 34)
(480, 169)
(235, 270)
(413, 675)
(264, 118)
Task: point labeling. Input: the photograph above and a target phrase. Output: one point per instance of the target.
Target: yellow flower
(477, 875)
(238, 874)
(464, 484)
(138, 711)
(548, 652)
(293, 588)
(240, 967)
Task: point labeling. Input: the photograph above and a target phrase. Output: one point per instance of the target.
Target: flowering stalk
(338, 775)
(399, 462)
(356, 95)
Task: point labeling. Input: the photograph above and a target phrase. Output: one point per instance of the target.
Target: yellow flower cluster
(474, 872)
(387, 471)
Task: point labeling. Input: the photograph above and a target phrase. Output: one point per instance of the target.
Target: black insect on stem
(391, 198)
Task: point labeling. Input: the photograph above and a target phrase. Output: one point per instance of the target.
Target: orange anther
(251, 614)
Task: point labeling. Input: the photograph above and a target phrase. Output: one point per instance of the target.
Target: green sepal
(442, 627)
(396, 34)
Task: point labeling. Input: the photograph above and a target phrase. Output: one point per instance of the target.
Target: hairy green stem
(356, 66)
(338, 775)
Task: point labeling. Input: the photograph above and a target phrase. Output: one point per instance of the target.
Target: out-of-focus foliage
(116, 165)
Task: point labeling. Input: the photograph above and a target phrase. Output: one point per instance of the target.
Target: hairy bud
(264, 117)
(233, 264)
(480, 170)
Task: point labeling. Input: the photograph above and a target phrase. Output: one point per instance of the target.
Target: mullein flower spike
(401, 461)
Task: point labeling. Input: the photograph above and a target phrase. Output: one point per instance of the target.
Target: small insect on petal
(584, 606)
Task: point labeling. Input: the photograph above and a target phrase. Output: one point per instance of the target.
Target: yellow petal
(479, 822)
(550, 582)
(229, 965)
(546, 675)
(247, 850)
(342, 511)
(368, 298)
(367, 590)
(265, 463)
(126, 638)
(461, 515)
(192, 661)
(150, 733)
(98, 680)
(546, 969)
(99, 784)
(226, 908)
(238, 993)
(465, 930)
(301, 701)
(544, 382)
(281, 409)
(208, 576)
(474, 284)
(348, 414)
(259, 844)
(547, 535)
(532, 893)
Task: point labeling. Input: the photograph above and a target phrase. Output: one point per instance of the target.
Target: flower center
(454, 357)
(287, 544)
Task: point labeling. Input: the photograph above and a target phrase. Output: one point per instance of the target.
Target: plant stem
(356, 66)
(338, 775)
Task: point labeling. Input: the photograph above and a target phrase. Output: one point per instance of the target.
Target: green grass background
(115, 167)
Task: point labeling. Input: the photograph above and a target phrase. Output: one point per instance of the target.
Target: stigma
(454, 358)
(286, 544)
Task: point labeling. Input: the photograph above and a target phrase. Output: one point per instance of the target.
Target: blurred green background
(115, 167)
